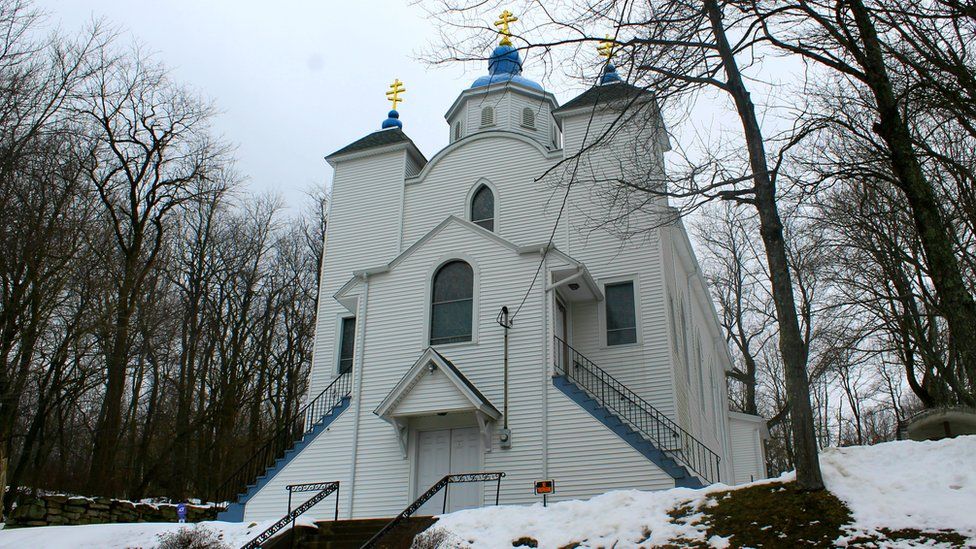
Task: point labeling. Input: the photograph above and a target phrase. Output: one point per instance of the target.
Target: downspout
(546, 364)
(358, 387)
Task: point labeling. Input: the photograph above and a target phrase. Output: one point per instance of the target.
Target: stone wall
(69, 510)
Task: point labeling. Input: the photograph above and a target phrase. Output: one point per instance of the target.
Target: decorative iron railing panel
(300, 424)
(324, 490)
(442, 484)
(636, 412)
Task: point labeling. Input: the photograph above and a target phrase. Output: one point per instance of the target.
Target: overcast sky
(294, 80)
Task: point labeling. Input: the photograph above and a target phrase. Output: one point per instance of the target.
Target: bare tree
(859, 42)
(152, 147)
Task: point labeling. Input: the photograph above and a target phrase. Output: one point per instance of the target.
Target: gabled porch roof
(466, 395)
(434, 385)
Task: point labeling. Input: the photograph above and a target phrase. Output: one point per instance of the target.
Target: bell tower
(504, 100)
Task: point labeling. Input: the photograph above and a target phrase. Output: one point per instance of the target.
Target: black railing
(636, 412)
(285, 437)
(322, 489)
(443, 483)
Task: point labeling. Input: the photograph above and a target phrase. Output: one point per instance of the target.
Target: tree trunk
(954, 299)
(791, 344)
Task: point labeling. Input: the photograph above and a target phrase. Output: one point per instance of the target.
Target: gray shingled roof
(375, 139)
(620, 91)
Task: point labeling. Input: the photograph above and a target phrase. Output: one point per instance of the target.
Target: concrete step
(350, 534)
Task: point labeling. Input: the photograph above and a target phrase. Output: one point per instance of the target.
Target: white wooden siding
(524, 214)
(326, 459)
(587, 458)
(748, 460)
(433, 392)
(364, 224)
(395, 328)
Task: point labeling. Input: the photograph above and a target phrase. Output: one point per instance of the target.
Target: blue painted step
(235, 511)
(681, 476)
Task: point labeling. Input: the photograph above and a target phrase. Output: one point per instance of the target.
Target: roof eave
(407, 145)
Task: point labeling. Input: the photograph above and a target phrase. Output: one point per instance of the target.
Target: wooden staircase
(350, 534)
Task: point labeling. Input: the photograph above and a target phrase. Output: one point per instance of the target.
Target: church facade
(606, 368)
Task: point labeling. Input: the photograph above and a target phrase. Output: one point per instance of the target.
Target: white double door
(444, 452)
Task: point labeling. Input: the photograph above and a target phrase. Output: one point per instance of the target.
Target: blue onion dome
(392, 121)
(610, 75)
(505, 65)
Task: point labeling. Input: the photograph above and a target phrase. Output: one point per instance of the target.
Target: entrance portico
(443, 424)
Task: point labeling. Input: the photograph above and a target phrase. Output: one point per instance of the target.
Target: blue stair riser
(235, 511)
(681, 476)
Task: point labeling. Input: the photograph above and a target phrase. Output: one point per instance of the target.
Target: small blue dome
(610, 75)
(505, 65)
(392, 121)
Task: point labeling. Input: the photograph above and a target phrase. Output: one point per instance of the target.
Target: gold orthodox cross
(504, 19)
(605, 49)
(393, 96)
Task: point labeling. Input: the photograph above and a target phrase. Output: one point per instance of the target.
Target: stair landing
(350, 534)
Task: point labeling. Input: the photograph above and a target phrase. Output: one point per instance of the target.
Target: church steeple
(606, 49)
(393, 96)
(505, 64)
(504, 100)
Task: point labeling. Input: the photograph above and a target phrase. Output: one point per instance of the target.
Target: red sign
(543, 487)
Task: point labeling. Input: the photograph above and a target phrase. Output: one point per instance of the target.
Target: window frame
(478, 190)
(458, 131)
(469, 200)
(337, 362)
(602, 311)
(528, 118)
(491, 110)
(429, 301)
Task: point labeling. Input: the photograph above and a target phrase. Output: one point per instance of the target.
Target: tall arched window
(528, 118)
(483, 208)
(451, 303)
(487, 116)
(457, 131)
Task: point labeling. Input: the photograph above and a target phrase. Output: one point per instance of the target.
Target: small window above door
(483, 208)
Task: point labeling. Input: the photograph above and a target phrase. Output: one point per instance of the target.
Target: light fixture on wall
(573, 286)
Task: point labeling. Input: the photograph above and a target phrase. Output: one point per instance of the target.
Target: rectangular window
(621, 314)
(347, 341)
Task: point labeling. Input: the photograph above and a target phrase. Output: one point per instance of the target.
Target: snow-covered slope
(905, 484)
(927, 486)
(123, 536)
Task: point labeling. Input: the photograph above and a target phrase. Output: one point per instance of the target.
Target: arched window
(528, 118)
(487, 116)
(457, 131)
(483, 208)
(451, 303)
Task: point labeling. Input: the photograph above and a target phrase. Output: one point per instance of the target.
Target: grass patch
(770, 515)
(781, 515)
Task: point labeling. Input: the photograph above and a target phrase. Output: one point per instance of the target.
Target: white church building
(613, 373)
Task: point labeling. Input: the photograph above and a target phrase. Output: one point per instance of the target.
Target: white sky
(296, 79)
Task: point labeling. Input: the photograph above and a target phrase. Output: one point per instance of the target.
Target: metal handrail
(324, 490)
(639, 414)
(285, 437)
(425, 497)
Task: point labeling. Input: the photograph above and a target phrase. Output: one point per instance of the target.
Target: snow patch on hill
(905, 484)
(124, 536)
(928, 486)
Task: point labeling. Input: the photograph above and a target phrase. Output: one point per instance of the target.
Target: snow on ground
(123, 536)
(623, 518)
(905, 484)
(898, 485)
